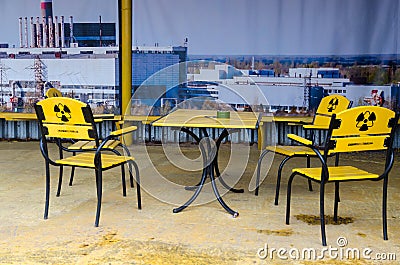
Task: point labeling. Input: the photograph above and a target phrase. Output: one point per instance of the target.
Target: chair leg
(288, 196)
(384, 208)
(123, 180)
(322, 212)
(259, 170)
(60, 181)
(128, 153)
(99, 187)
(139, 197)
(278, 180)
(47, 202)
(309, 180)
(335, 208)
(337, 164)
(71, 178)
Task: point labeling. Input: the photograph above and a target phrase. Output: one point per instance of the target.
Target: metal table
(185, 119)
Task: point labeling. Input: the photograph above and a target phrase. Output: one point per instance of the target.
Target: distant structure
(46, 6)
(53, 32)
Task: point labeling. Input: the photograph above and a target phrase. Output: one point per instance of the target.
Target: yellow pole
(126, 61)
(126, 56)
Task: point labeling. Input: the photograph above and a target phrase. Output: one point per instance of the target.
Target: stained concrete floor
(204, 233)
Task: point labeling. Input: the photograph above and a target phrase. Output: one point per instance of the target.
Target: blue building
(158, 73)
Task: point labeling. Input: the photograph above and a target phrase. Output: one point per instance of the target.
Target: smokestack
(33, 32)
(62, 32)
(38, 33)
(56, 33)
(26, 32)
(21, 39)
(44, 27)
(46, 7)
(51, 32)
(71, 30)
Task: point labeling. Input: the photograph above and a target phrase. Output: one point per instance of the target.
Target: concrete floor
(204, 233)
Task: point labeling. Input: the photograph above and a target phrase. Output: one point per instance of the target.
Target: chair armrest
(299, 139)
(123, 131)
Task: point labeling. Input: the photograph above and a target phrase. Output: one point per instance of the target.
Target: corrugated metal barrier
(29, 130)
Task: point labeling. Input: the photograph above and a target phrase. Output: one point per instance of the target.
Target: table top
(208, 119)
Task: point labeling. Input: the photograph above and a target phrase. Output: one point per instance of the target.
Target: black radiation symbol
(332, 104)
(365, 120)
(62, 112)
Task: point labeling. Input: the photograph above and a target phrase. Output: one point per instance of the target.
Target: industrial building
(89, 74)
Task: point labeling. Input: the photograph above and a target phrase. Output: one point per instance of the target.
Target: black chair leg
(322, 212)
(60, 181)
(71, 178)
(308, 166)
(139, 197)
(128, 153)
(335, 208)
(278, 180)
(288, 196)
(337, 164)
(123, 180)
(259, 170)
(46, 205)
(99, 187)
(384, 208)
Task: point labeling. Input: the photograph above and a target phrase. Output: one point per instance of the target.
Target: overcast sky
(271, 27)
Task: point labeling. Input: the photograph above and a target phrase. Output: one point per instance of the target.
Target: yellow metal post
(126, 59)
(126, 56)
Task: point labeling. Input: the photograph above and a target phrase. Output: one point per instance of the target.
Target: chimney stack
(21, 38)
(46, 7)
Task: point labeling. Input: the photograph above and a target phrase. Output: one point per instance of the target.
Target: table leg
(200, 185)
(217, 173)
(220, 200)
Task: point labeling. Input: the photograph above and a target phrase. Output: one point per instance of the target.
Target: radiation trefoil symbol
(62, 112)
(332, 104)
(365, 120)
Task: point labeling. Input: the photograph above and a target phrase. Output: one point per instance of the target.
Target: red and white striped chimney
(46, 6)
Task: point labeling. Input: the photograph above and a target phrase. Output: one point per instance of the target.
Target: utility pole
(3, 76)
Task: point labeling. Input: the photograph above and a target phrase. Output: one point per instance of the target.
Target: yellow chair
(62, 119)
(53, 92)
(329, 105)
(366, 128)
(83, 146)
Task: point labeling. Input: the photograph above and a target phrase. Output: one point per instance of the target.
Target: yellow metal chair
(62, 119)
(84, 146)
(366, 128)
(329, 105)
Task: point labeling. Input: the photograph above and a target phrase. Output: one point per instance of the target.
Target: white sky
(271, 27)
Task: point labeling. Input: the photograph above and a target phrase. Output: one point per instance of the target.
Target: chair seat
(87, 145)
(341, 173)
(87, 160)
(291, 150)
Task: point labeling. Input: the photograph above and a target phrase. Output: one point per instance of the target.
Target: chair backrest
(364, 128)
(53, 92)
(61, 117)
(329, 105)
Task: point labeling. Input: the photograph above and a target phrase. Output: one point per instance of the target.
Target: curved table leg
(209, 163)
(200, 185)
(220, 200)
(218, 175)
(224, 134)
